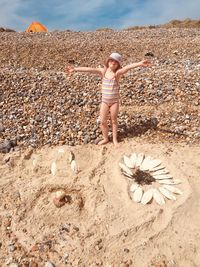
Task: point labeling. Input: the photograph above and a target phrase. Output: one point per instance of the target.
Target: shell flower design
(150, 179)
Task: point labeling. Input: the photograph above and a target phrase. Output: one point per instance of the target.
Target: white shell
(145, 164)
(71, 156)
(35, 162)
(134, 187)
(74, 166)
(125, 168)
(158, 197)
(133, 159)
(60, 194)
(128, 162)
(53, 168)
(159, 167)
(154, 163)
(170, 181)
(164, 171)
(162, 176)
(146, 198)
(173, 189)
(137, 194)
(128, 175)
(139, 160)
(167, 193)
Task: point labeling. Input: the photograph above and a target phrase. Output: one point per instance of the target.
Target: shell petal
(133, 187)
(145, 164)
(170, 181)
(139, 160)
(167, 193)
(159, 167)
(127, 175)
(125, 168)
(133, 159)
(137, 195)
(128, 162)
(154, 163)
(146, 198)
(158, 197)
(162, 176)
(173, 189)
(160, 172)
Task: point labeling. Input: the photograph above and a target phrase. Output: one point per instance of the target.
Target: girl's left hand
(145, 63)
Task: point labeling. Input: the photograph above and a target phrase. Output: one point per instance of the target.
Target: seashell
(173, 189)
(133, 159)
(139, 160)
(146, 198)
(159, 167)
(158, 197)
(170, 181)
(167, 193)
(53, 168)
(61, 150)
(154, 163)
(145, 164)
(71, 156)
(128, 162)
(60, 194)
(163, 171)
(137, 194)
(128, 175)
(133, 187)
(162, 176)
(35, 162)
(74, 166)
(125, 168)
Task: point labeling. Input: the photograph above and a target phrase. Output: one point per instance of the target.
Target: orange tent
(36, 27)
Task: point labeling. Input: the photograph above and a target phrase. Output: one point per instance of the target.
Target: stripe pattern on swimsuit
(110, 91)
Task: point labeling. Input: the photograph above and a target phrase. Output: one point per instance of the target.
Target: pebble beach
(40, 105)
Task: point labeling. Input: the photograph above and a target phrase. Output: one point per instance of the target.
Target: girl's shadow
(138, 128)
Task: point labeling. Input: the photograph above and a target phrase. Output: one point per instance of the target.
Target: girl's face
(113, 64)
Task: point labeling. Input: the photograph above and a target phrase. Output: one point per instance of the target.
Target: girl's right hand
(69, 70)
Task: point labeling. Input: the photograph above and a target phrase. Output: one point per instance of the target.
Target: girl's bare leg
(104, 110)
(114, 110)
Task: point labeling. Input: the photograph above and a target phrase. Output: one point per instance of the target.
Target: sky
(89, 15)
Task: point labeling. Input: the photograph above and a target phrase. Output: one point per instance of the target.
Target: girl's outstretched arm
(143, 63)
(71, 69)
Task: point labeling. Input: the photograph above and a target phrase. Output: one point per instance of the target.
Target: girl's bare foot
(103, 142)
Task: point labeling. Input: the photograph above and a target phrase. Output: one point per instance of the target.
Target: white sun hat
(116, 57)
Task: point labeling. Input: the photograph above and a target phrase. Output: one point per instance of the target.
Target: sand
(100, 225)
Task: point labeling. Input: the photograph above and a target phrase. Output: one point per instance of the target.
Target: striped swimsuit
(110, 91)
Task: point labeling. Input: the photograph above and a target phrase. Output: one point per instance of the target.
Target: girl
(110, 75)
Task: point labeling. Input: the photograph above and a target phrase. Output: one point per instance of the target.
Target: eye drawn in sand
(72, 161)
(147, 173)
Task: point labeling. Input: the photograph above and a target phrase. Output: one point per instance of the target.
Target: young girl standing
(110, 75)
